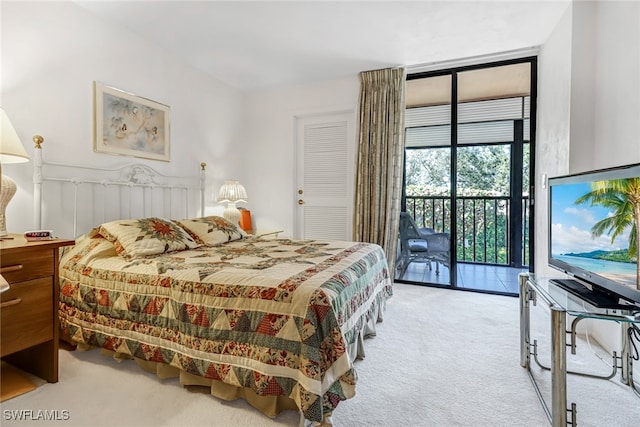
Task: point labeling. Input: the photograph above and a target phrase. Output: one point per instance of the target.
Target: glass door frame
(517, 145)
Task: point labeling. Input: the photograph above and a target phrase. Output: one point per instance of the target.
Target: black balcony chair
(421, 245)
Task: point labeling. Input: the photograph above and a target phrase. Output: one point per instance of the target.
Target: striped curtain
(380, 159)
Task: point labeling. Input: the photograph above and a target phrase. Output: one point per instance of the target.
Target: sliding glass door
(467, 174)
(427, 191)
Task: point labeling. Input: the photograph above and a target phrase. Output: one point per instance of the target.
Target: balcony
(491, 249)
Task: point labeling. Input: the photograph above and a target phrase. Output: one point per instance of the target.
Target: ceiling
(260, 44)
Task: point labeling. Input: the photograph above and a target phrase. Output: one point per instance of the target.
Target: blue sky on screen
(572, 223)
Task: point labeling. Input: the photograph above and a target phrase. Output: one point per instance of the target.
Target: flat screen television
(594, 226)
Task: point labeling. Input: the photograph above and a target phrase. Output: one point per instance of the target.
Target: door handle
(300, 202)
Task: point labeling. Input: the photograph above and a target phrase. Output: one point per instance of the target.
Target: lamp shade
(11, 149)
(232, 191)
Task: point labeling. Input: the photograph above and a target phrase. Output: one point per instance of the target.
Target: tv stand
(594, 297)
(563, 300)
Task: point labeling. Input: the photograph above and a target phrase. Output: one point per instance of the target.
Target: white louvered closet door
(324, 184)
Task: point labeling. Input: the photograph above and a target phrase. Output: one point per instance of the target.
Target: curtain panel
(380, 159)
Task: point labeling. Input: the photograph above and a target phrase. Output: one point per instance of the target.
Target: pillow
(212, 230)
(146, 236)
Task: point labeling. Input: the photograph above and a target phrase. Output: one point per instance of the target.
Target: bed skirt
(270, 406)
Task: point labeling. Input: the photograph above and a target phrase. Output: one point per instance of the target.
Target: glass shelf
(575, 306)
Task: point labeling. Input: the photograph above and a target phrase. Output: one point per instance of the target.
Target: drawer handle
(10, 268)
(9, 303)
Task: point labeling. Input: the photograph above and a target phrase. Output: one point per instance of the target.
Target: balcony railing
(483, 226)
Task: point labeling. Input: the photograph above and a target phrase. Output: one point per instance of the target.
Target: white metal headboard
(85, 197)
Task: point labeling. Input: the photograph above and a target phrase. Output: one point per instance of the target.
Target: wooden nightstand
(29, 309)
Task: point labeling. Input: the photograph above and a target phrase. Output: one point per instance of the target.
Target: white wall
(268, 170)
(552, 133)
(605, 118)
(617, 88)
(584, 39)
(51, 54)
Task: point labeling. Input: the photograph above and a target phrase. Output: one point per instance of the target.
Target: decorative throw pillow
(146, 236)
(212, 230)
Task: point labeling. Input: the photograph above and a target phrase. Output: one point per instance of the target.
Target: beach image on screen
(592, 227)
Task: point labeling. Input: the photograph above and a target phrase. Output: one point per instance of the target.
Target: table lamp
(11, 151)
(232, 192)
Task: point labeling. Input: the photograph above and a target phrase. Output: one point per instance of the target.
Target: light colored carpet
(440, 358)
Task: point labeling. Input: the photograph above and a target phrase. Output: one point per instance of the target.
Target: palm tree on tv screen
(623, 197)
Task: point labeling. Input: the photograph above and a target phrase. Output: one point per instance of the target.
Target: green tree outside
(483, 174)
(622, 196)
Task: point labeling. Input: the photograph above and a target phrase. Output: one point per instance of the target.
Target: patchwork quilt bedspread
(273, 315)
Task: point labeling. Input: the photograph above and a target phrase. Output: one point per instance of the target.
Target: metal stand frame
(558, 414)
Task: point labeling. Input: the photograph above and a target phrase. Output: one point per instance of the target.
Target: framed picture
(129, 125)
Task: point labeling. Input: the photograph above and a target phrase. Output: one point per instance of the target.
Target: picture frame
(130, 125)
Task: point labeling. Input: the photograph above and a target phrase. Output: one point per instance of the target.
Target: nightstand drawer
(26, 265)
(26, 315)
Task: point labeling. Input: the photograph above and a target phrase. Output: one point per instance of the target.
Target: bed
(278, 322)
